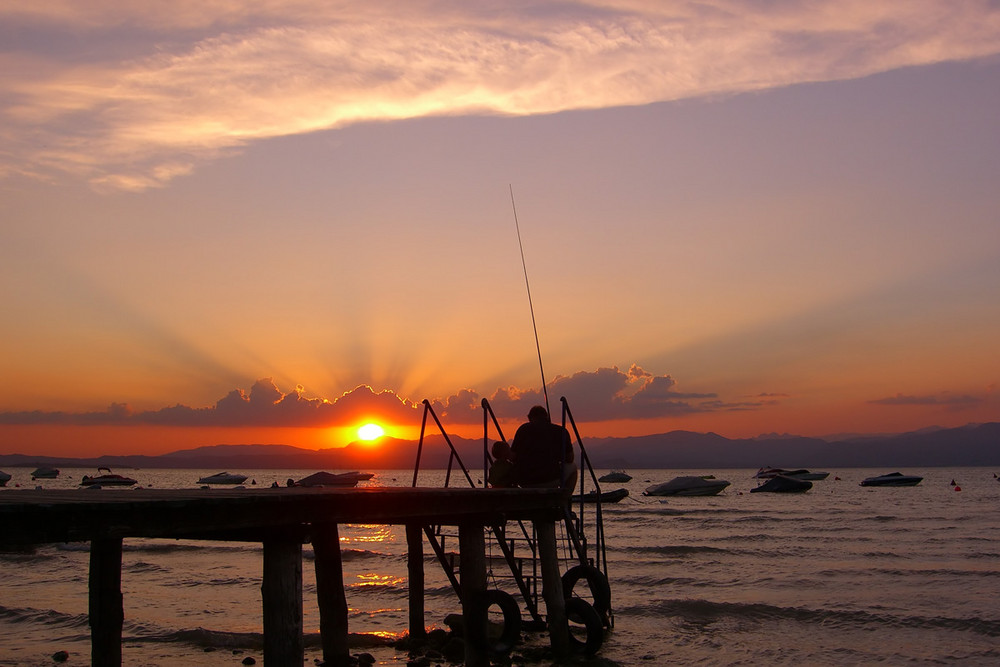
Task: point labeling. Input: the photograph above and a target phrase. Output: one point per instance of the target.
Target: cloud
(593, 396)
(153, 89)
(955, 402)
(604, 394)
(263, 405)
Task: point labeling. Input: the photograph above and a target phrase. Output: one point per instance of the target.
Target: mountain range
(971, 445)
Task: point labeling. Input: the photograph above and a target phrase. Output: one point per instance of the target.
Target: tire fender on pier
(579, 611)
(600, 589)
(511, 633)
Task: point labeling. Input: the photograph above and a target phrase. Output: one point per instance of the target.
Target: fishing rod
(527, 286)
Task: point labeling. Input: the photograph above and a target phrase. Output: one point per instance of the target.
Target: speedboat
(603, 497)
(223, 478)
(783, 484)
(688, 485)
(343, 479)
(45, 473)
(617, 476)
(107, 479)
(892, 479)
(4, 478)
(801, 473)
(358, 476)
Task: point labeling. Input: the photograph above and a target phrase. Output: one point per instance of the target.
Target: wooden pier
(282, 519)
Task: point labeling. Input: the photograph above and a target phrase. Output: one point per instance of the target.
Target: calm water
(840, 575)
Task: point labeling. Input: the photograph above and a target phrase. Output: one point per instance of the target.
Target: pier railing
(517, 542)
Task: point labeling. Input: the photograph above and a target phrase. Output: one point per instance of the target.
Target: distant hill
(973, 445)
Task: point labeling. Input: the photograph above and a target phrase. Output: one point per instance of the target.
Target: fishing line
(527, 286)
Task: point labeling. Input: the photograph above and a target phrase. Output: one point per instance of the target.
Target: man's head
(538, 414)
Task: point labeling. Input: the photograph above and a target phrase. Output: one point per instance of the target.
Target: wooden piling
(331, 596)
(552, 590)
(415, 579)
(107, 613)
(472, 571)
(281, 595)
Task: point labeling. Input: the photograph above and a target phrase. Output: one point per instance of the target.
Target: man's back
(539, 448)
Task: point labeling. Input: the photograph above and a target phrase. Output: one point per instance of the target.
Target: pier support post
(331, 595)
(552, 590)
(415, 579)
(107, 613)
(281, 594)
(472, 570)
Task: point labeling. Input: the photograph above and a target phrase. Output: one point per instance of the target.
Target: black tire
(511, 633)
(600, 589)
(579, 612)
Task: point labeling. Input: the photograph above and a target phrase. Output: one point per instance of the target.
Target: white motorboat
(107, 479)
(618, 476)
(223, 478)
(688, 485)
(892, 479)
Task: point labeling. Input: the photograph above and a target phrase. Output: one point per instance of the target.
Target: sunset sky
(230, 222)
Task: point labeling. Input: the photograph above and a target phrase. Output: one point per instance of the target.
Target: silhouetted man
(543, 452)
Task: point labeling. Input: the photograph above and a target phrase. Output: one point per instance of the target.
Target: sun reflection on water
(367, 533)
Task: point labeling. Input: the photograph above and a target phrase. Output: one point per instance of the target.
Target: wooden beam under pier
(331, 596)
(106, 608)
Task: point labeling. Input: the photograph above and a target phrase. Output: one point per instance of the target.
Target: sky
(272, 222)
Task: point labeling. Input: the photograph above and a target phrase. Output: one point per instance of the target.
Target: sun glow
(370, 432)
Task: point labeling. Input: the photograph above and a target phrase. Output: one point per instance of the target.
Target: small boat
(107, 479)
(688, 485)
(359, 476)
(783, 484)
(603, 497)
(801, 473)
(45, 473)
(223, 478)
(617, 476)
(343, 479)
(4, 478)
(892, 479)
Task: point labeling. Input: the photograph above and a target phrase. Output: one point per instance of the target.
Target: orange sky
(739, 219)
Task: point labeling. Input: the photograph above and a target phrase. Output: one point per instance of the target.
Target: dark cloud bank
(601, 395)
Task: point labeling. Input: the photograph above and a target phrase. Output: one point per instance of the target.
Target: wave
(218, 639)
(46, 617)
(675, 550)
(704, 611)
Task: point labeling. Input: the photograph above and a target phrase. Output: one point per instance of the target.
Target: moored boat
(892, 479)
(45, 473)
(343, 479)
(687, 485)
(4, 478)
(223, 478)
(783, 484)
(604, 497)
(107, 479)
(800, 473)
(616, 476)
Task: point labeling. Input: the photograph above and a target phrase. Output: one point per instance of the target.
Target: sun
(370, 432)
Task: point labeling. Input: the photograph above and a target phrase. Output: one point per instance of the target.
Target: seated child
(502, 470)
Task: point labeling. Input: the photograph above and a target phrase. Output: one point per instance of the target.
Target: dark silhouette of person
(543, 452)
(502, 471)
